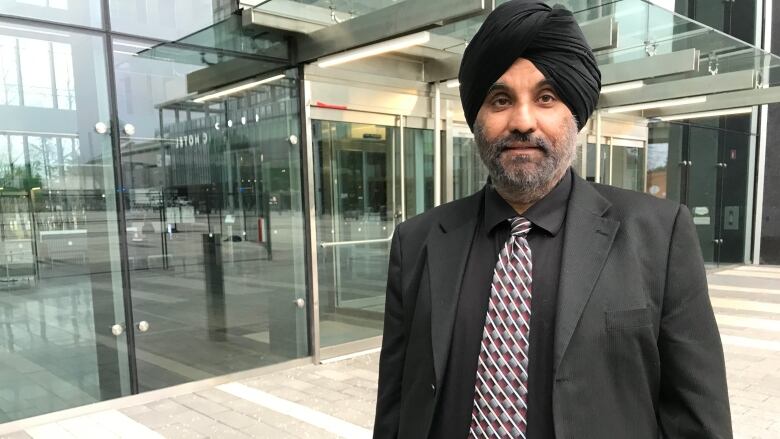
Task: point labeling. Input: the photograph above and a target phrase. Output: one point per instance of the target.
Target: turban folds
(548, 37)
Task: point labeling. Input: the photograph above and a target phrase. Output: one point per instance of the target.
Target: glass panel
(735, 141)
(60, 276)
(322, 12)
(469, 174)
(80, 12)
(163, 19)
(214, 218)
(418, 166)
(628, 167)
(590, 163)
(646, 29)
(664, 155)
(703, 185)
(356, 169)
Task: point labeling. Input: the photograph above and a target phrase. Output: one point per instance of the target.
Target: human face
(526, 135)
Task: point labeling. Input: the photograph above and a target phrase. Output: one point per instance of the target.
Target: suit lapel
(587, 241)
(448, 249)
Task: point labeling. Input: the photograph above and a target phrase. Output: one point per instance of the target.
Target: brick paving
(337, 399)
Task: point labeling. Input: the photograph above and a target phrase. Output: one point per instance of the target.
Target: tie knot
(520, 226)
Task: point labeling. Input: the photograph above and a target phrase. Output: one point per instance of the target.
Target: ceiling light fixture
(623, 86)
(452, 83)
(375, 49)
(236, 89)
(699, 115)
(658, 104)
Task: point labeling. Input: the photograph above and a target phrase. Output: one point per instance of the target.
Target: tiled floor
(337, 399)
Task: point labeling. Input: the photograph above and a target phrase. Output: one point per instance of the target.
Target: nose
(523, 119)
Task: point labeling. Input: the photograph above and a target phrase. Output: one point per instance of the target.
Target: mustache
(506, 142)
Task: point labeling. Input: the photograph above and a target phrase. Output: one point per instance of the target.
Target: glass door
(705, 166)
(214, 216)
(358, 203)
(702, 186)
(62, 326)
(627, 164)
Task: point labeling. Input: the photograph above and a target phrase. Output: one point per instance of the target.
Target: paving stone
(201, 404)
(261, 430)
(176, 431)
(217, 396)
(222, 431)
(135, 410)
(154, 420)
(234, 419)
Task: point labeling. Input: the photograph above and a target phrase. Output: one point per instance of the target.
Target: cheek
(492, 126)
(556, 129)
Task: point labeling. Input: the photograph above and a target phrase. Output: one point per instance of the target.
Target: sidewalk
(327, 401)
(336, 400)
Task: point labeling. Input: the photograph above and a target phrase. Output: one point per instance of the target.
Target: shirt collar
(547, 213)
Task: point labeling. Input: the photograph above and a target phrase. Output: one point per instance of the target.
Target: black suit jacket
(637, 352)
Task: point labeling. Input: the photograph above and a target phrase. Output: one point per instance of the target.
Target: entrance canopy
(655, 63)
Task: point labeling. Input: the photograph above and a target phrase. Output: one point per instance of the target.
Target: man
(545, 306)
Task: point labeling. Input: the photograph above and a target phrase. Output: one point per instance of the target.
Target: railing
(364, 241)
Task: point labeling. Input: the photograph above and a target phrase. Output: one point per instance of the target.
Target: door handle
(117, 329)
(142, 326)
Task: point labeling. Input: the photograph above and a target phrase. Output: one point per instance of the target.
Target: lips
(521, 148)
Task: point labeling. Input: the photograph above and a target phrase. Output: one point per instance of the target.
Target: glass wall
(469, 174)
(60, 274)
(78, 12)
(214, 219)
(418, 167)
(704, 164)
(164, 19)
(186, 207)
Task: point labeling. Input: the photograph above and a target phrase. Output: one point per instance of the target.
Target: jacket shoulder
(633, 205)
(453, 212)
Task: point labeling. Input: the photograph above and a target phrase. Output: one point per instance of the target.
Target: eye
(547, 98)
(501, 101)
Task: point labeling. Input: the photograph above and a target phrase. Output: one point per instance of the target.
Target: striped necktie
(500, 398)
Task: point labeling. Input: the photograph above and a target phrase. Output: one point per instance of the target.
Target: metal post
(597, 178)
(402, 126)
(761, 165)
(437, 144)
(310, 217)
(609, 168)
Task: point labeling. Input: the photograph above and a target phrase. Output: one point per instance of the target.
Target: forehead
(521, 74)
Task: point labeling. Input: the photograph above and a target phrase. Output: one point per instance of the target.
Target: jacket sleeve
(391, 359)
(693, 400)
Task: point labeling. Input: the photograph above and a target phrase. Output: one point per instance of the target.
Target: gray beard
(524, 185)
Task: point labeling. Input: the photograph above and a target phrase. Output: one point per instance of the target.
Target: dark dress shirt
(453, 414)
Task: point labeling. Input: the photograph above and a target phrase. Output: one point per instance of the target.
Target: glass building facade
(183, 194)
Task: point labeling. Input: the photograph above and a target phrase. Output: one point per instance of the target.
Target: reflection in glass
(356, 168)
(704, 165)
(60, 279)
(590, 163)
(79, 12)
(418, 167)
(628, 167)
(469, 173)
(214, 220)
(164, 19)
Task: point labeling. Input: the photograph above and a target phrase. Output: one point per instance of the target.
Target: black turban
(548, 37)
